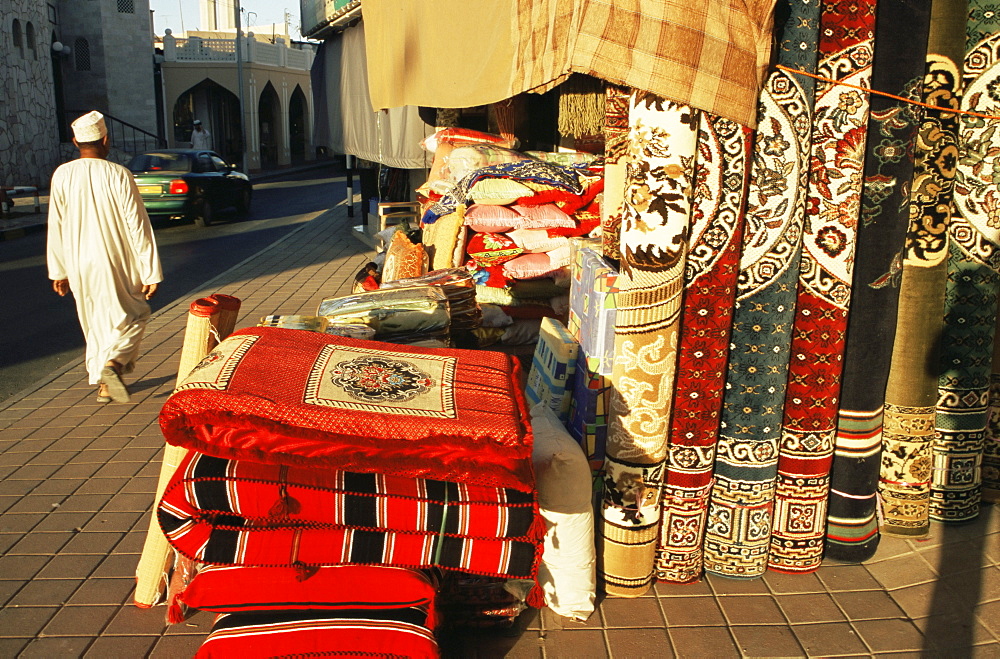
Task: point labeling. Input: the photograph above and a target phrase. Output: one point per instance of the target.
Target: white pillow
(568, 573)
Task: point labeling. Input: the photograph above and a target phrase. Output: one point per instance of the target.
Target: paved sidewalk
(78, 479)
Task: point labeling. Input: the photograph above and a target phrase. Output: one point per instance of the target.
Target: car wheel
(243, 203)
(203, 214)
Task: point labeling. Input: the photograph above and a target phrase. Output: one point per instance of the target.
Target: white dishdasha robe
(101, 240)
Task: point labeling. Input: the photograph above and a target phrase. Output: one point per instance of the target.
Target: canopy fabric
(711, 55)
(345, 121)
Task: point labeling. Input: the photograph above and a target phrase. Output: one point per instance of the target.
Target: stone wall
(129, 63)
(29, 138)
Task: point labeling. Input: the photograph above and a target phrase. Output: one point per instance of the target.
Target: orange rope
(875, 91)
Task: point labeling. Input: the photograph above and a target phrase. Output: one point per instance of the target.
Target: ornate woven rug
(654, 239)
(615, 152)
(840, 127)
(720, 179)
(898, 68)
(911, 393)
(761, 334)
(970, 296)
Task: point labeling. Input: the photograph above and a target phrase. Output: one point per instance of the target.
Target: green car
(189, 183)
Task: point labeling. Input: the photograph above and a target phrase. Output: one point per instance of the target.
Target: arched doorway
(269, 126)
(219, 111)
(297, 128)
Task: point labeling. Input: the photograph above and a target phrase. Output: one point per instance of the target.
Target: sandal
(111, 379)
(102, 394)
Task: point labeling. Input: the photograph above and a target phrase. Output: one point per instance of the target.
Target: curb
(21, 232)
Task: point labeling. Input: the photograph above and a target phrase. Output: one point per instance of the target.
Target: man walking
(200, 137)
(101, 247)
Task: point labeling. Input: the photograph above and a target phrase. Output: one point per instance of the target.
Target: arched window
(18, 39)
(29, 36)
(81, 51)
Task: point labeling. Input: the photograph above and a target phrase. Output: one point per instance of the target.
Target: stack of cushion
(311, 452)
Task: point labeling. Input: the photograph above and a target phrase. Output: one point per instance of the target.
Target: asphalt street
(42, 333)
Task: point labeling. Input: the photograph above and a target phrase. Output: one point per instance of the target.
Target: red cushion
(226, 589)
(490, 249)
(283, 396)
(346, 633)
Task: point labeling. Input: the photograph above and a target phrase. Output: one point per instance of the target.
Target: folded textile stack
(460, 289)
(411, 315)
(517, 218)
(592, 312)
(311, 452)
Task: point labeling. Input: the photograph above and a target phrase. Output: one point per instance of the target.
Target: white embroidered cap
(90, 127)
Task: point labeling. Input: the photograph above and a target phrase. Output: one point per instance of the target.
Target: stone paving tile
(781, 583)
(665, 589)
(59, 521)
(171, 647)
(40, 543)
(104, 591)
(901, 572)
(692, 611)
(71, 566)
(40, 592)
(120, 646)
(6, 501)
(21, 567)
(637, 612)
(198, 623)
(25, 621)
(954, 631)
(829, 639)
(8, 589)
(654, 642)
(726, 586)
(117, 565)
(810, 607)
(18, 487)
(927, 599)
(767, 641)
(73, 620)
(895, 635)
(11, 647)
(982, 585)
(989, 615)
(867, 605)
(572, 644)
(8, 540)
(90, 503)
(133, 621)
(751, 610)
(697, 642)
(34, 503)
(847, 577)
(64, 487)
(62, 646)
(101, 486)
(107, 522)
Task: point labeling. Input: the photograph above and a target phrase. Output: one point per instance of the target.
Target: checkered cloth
(230, 512)
(710, 55)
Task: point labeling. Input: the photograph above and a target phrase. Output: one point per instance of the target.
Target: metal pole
(239, 81)
(349, 161)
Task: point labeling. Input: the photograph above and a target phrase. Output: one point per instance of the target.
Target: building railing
(123, 135)
(197, 49)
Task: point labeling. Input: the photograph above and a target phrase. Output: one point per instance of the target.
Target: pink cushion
(489, 218)
(542, 217)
